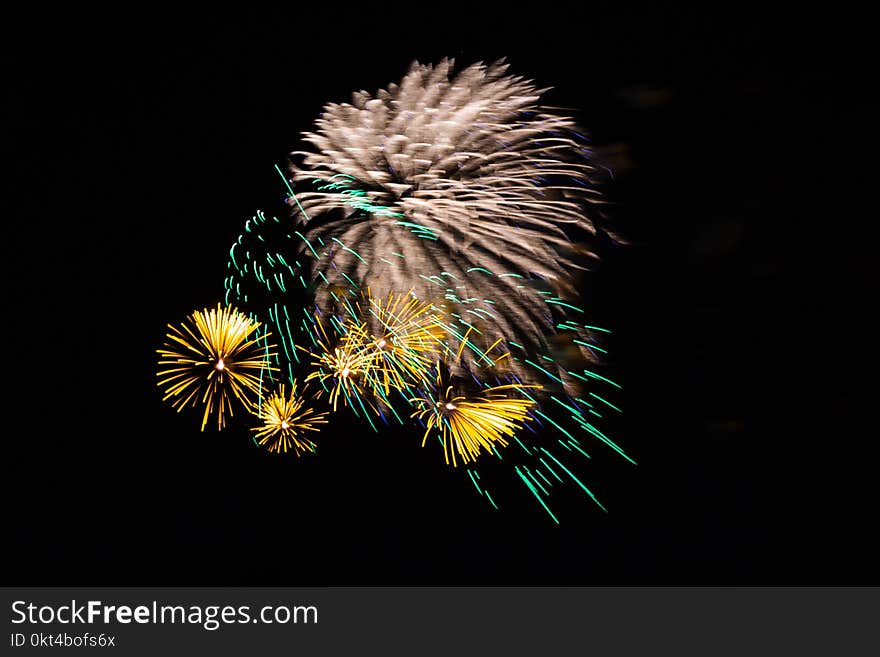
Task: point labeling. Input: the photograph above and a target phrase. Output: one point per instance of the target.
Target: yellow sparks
(469, 425)
(342, 367)
(286, 421)
(212, 359)
(382, 345)
(406, 336)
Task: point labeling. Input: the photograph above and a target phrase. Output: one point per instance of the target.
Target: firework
(464, 176)
(429, 272)
(286, 422)
(214, 358)
(403, 335)
(365, 349)
(341, 365)
(469, 425)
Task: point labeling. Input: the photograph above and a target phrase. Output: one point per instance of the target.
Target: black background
(139, 144)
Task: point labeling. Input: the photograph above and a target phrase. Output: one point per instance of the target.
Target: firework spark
(470, 425)
(341, 364)
(286, 421)
(404, 336)
(215, 357)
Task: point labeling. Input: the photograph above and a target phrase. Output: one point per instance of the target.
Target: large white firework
(460, 188)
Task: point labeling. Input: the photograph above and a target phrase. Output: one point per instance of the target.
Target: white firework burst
(459, 187)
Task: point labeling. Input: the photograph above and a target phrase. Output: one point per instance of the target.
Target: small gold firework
(342, 367)
(471, 424)
(407, 337)
(212, 359)
(285, 422)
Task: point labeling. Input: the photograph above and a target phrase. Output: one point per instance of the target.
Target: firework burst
(286, 422)
(430, 266)
(470, 425)
(404, 337)
(214, 358)
(341, 365)
(465, 175)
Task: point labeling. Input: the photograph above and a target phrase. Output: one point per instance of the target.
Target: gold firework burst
(341, 369)
(406, 336)
(469, 424)
(214, 357)
(286, 421)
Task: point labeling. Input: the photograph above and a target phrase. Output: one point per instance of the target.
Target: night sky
(138, 147)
